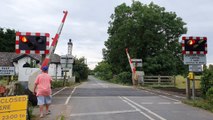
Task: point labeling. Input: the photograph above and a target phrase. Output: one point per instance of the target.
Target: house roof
(35, 57)
(6, 58)
(55, 58)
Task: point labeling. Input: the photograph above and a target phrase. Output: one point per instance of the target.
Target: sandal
(41, 116)
(48, 112)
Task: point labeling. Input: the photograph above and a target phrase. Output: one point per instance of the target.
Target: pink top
(43, 82)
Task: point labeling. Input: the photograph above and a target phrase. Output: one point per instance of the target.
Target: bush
(207, 80)
(60, 83)
(124, 78)
(209, 95)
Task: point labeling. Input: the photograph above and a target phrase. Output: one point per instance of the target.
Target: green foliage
(80, 69)
(60, 83)
(207, 79)
(150, 33)
(57, 84)
(123, 78)
(209, 95)
(7, 40)
(201, 103)
(103, 70)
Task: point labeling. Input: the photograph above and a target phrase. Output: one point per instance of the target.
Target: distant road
(99, 100)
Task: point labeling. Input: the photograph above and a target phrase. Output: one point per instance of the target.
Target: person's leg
(41, 104)
(47, 109)
(41, 110)
(47, 103)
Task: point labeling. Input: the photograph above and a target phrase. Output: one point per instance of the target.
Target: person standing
(42, 90)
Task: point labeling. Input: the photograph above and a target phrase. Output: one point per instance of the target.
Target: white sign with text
(190, 59)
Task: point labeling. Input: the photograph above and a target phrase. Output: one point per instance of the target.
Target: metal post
(56, 72)
(188, 96)
(193, 89)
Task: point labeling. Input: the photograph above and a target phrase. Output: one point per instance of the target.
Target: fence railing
(159, 80)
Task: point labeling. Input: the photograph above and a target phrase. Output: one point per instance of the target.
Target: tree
(150, 33)
(103, 70)
(207, 79)
(80, 69)
(7, 40)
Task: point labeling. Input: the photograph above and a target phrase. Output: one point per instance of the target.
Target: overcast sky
(87, 21)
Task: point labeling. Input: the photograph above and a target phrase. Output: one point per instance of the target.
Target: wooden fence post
(159, 79)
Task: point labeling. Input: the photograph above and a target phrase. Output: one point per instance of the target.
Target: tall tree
(80, 69)
(150, 33)
(7, 40)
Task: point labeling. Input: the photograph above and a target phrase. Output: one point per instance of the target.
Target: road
(99, 100)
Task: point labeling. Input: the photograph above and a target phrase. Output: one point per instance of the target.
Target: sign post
(194, 50)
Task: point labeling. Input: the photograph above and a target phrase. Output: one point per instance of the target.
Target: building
(21, 61)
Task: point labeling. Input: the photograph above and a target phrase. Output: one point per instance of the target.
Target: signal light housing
(32, 43)
(194, 45)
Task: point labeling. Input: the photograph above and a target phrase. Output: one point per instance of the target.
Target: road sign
(7, 71)
(13, 107)
(198, 59)
(67, 61)
(195, 68)
(13, 103)
(14, 115)
(137, 62)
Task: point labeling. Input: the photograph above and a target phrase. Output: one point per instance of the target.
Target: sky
(87, 21)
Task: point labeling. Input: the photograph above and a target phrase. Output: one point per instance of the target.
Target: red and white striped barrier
(55, 41)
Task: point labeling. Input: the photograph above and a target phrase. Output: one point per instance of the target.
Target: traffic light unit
(32, 43)
(194, 45)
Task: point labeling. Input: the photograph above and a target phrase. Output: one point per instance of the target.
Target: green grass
(181, 82)
(201, 103)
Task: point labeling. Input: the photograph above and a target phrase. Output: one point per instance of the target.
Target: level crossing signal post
(194, 50)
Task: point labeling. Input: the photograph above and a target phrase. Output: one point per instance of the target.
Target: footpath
(58, 112)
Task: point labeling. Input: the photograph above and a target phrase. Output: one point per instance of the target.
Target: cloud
(87, 21)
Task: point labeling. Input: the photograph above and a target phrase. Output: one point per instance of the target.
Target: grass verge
(200, 103)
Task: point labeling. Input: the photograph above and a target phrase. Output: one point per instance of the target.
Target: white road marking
(170, 98)
(133, 106)
(68, 99)
(103, 85)
(102, 113)
(160, 103)
(164, 103)
(147, 103)
(178, 96)
(146, 109)
(177, 103)
(59, 91)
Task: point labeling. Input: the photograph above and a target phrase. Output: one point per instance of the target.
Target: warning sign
(190, 59)
(13, 107)
(13, 103)
(7, 70)
(14, 115)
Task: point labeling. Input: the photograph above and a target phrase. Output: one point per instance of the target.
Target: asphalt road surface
(99, 100)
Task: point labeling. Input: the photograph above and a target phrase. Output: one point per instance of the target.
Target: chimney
(70, 47)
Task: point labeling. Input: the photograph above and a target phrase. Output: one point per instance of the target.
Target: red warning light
(24, 39)
(191, 42)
